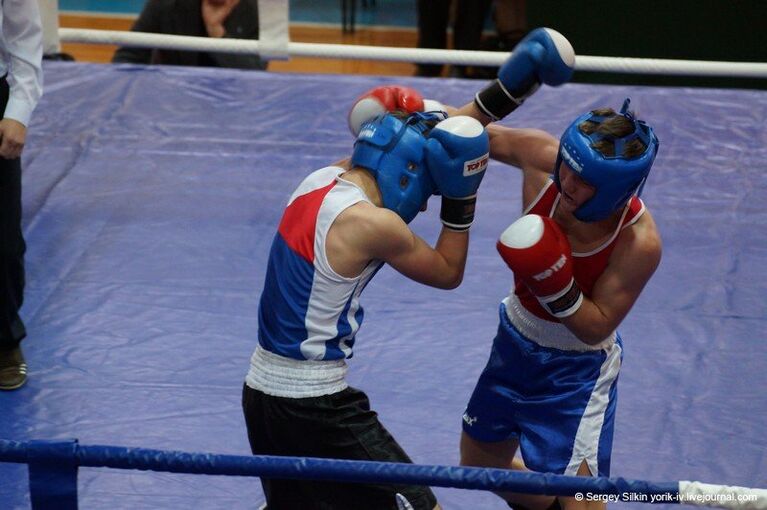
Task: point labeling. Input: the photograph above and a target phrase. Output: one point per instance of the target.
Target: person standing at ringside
(341, 224)
(21, 86)
(581, 255)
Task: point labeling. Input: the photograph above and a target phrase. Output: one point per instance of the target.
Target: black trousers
(337, 426)
(433, 17)
(12, 246)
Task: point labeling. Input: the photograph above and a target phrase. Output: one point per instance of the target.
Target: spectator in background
(21, 85)
(433, 16)
(237, 19)
(509, 17)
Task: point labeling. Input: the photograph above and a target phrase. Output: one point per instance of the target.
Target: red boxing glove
(538, 252)
(387, 98)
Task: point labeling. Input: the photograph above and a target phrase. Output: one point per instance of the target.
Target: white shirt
(21, 55)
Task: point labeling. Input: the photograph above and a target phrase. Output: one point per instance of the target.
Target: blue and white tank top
(307, 310)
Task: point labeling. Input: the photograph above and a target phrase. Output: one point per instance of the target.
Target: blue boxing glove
(457, 152)
(543, 56)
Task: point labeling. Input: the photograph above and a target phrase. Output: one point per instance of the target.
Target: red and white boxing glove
(538, 252)
(388, 98)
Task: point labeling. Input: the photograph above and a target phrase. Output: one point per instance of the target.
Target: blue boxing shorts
(559, 404)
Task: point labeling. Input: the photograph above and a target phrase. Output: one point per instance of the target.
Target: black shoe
(13, 369)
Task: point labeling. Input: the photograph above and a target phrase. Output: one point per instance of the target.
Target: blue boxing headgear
(394, 151)
(615, 178)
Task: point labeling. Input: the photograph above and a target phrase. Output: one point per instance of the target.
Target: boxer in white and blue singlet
(340, 225)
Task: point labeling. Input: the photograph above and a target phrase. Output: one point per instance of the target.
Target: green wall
(678, 29)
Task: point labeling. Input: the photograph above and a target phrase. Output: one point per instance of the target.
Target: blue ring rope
(53, 468)
(323, 469)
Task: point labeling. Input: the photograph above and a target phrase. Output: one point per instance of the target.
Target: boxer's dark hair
(614, 126)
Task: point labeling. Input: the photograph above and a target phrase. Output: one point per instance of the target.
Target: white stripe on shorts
(586, 445)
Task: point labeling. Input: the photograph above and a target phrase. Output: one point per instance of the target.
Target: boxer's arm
(442, 266)
(524, 148)
(470, 110)
(364, 232)
(531, 150)
(632, 263)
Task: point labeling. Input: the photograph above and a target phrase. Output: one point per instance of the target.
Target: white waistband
(546, 333)
(291, 378)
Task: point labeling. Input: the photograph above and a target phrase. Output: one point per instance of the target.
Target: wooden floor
(298, 33)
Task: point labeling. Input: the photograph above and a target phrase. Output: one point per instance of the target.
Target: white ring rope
(414, 55)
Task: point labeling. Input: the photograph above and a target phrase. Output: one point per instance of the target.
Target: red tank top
(587, 267)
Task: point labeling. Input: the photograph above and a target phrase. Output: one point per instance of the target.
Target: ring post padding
(53, 474)
(273, 29)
